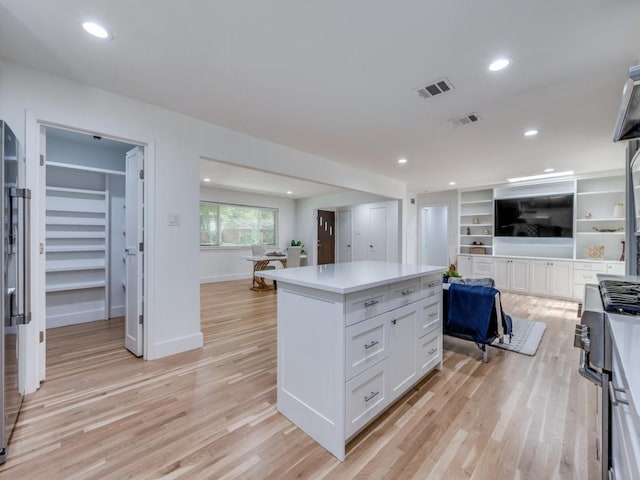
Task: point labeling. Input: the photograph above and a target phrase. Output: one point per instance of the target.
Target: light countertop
(351, 276)
(625, 333)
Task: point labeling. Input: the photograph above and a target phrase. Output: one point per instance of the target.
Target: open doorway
(92, 219)
(434, 235)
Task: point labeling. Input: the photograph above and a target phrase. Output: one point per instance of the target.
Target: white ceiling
(337, 78)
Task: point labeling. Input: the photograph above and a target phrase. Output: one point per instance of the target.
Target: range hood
(628, 122)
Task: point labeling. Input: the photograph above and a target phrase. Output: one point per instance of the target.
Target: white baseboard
(225, 278)
(175, 345)
(118, 311)
(75, 318)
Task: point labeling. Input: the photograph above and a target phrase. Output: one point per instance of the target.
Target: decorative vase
(618, 210)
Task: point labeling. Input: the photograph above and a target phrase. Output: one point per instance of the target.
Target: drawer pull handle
(433, 314)
(407, 292)
(432, 351)
(433, 284)
(373, 394)
(370, 303)
(372, 344)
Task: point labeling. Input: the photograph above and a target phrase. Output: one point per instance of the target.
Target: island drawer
(431, 285)
(404, 293)
(366, 344)
(366, 304)
(428, 351)
(430, 317)
(366, 397)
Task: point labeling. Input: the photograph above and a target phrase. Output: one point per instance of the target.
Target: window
(236, 225)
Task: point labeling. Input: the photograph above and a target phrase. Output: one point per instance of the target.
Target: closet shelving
(476, 221)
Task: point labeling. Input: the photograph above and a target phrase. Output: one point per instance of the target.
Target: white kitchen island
(352, 338)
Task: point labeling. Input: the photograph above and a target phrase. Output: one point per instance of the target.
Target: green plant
(298, 243)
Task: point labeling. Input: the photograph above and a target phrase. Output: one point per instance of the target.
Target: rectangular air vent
(436, 88)
(467, 119)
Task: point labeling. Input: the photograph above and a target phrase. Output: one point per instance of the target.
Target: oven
(593, 338)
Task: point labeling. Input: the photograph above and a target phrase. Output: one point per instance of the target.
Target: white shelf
(600, 234)
(83, 221)
(476, 202)
(603, 192)
(609, 219)
(76, 248)
(476, 214)
(479, 235)
(64, 287)
(75, 268)
(101, 193)
(75, 235)
(476, 224)
(86, 169)
(479, 246)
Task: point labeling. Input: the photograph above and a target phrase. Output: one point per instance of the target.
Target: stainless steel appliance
(14, 281)
(593, 337)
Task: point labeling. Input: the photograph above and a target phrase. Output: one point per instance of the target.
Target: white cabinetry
(344, 358)
(465, 265)
(512, 274)
(551, 278)
(484, 267)
(476, 222)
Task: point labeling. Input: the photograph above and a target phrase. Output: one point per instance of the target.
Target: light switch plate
(174, 220)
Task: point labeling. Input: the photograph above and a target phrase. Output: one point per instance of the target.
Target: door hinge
(41, 336)
(41, 160)
(141, 247)
(140, 319)
(141, 174)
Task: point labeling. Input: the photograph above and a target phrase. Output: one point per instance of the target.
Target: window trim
(204, 246)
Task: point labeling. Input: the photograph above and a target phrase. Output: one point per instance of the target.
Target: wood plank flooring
(211, 413)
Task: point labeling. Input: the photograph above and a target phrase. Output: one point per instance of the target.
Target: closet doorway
(93, 231)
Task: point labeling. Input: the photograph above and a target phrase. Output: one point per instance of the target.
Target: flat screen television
(539, 216)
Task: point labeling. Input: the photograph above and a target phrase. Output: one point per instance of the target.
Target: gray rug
(527, 335)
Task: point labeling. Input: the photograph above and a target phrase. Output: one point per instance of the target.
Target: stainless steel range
(593, 338)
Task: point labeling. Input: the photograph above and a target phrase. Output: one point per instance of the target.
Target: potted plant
(298, 243)
(450, 273)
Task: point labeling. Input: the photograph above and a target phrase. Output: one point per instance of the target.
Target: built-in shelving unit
(76, 235)
(476, 222)
(600, 206)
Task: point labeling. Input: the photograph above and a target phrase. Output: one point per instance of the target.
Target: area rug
(527, 335)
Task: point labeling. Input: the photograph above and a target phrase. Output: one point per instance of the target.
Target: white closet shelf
(86, 169)
(63, 287)
(75, 248)
(76, 268)
(75, 235)
(101, 193)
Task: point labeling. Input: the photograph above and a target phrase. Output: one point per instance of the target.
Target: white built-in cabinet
(79, 241)
(512, 275)
(551, 278)
(476, 222)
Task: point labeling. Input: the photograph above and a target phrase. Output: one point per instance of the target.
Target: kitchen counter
(349, 277)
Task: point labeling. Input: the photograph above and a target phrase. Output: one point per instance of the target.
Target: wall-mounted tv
(539, 216)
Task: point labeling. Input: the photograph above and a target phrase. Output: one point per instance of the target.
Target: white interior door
(434, 236)
(343, 233)
(134, 209)
(377, 246)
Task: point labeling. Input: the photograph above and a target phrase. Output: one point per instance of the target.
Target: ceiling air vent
(467, 119)
(436, 88)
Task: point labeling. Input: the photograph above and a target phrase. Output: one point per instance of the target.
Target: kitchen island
(352, 338)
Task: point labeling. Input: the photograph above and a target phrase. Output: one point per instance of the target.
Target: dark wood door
(326, 237)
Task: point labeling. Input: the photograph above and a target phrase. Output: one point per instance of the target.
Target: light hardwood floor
(211, 413)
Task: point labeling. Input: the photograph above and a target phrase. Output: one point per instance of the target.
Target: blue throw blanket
(470, 309)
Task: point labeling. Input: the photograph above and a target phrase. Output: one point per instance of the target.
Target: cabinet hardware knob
(369, 303)
(372, 344)
(394, 321)
(371, 246)
(369, 397)
(433, 314)
(431, 352)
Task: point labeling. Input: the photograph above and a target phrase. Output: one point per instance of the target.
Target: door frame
(421, 238)
(36, 181)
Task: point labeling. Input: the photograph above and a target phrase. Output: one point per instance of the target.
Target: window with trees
(224, 225)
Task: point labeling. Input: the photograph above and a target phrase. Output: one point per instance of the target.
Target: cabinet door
(519, 276)
(464, 265)
(561, 279)
(539, 277)
(502, 274)
(402, 349)
(484, 267)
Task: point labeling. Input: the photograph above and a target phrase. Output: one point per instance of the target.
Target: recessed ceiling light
(549, 170)
(206, 179)
(540, 177)
(499, 64)
(402, 160)
(96, 30)
(289, 192)
(452, 183)
(531, 133)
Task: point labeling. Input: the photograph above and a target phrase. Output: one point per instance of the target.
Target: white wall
(175, 143)
(219, 264)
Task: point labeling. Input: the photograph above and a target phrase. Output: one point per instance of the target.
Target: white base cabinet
(512, 274)
(344, 358)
